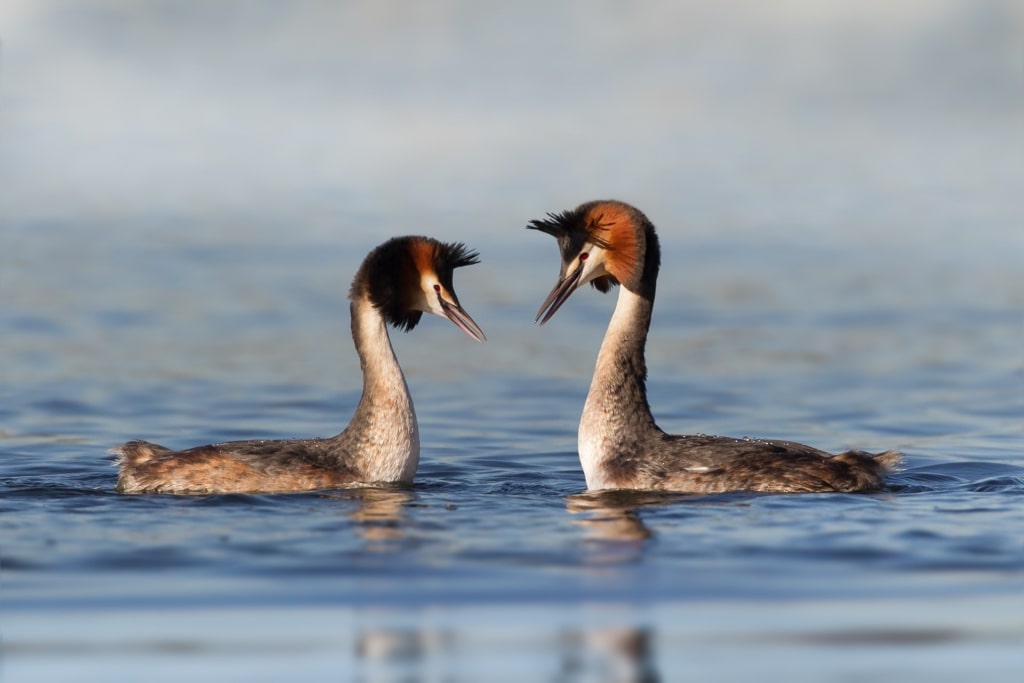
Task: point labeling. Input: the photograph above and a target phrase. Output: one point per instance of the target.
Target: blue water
(837, 194)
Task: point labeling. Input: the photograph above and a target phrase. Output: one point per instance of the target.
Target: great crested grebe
(396, 283)
(606, 243)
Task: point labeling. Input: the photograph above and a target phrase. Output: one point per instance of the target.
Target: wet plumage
(607, 243)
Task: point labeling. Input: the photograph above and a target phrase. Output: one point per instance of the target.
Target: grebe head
(603, 243)
(407, 276)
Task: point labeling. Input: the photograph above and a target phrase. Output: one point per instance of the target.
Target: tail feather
(866, 471)
(890, 461)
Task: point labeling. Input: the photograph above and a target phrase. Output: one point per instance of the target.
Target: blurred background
(761, 121)
(187, 188)
(203, 150)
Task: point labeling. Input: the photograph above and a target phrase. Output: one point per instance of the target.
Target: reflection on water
(612, 515)
(622, 654)
(949, 640)
(578, 655)
(606, 654)
(839, 207)
(379, 516)
(411, 655)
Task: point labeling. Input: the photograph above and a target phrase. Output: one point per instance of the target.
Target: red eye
(584, 256)
(437, 288)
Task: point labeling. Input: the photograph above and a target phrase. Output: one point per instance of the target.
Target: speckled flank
(149, 468)
(789, 471)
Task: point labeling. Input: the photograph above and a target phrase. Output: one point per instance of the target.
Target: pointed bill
(559, 294)
(457, 315)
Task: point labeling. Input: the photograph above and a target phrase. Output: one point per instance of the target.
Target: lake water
(188, 188)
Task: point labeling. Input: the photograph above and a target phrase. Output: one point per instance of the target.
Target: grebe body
(606, 243)
(396, 283)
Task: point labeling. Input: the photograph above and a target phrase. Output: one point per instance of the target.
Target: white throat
(616, 409)
(384, 427)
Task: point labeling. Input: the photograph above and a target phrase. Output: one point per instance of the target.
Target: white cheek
(594, 266)
(427, 298)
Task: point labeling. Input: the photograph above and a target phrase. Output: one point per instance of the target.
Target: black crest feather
(389, 275)
(452, 255)
(557, 224)
(573, 228)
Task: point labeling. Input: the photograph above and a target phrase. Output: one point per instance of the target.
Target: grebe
(396, 283)
(606, 243)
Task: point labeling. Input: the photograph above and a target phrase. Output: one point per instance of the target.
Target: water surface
(838, 203)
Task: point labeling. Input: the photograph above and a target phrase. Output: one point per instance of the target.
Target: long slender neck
(616, 417)
(383, 435)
